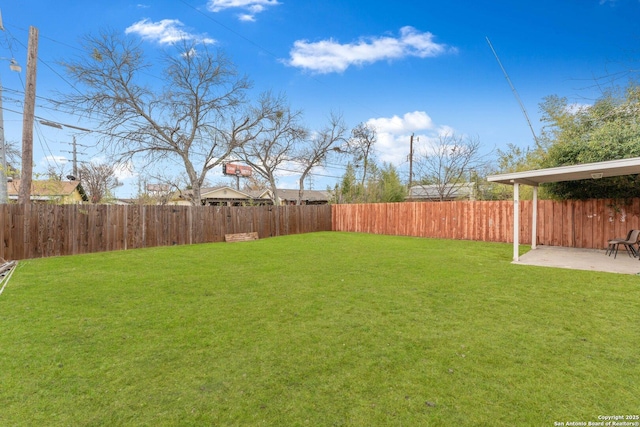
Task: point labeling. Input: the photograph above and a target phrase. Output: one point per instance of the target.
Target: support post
(534, 219)
(516, 221)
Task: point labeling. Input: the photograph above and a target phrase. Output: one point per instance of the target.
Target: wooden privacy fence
(43, 230)
(572, 223)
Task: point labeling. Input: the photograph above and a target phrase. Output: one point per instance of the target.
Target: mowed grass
(323, 329)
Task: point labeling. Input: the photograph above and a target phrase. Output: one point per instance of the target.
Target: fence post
(190, 223)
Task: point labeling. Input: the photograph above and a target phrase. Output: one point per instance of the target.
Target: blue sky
(421, 67)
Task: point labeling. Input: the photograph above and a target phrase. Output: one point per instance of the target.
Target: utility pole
(410, 164)
(75, 153)
(4, 197)
(28, 117)
(75, 158)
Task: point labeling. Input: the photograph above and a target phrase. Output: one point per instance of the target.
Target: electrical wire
(45, 146)
(260, 47)
(43, 140)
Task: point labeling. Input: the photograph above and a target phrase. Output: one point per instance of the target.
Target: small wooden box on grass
(241, 237)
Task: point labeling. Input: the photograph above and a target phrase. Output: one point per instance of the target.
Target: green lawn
(323, 329)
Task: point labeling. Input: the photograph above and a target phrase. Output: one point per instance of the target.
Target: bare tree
(448, 163)
(161, 187)
(279, 138)
(360, 145)
(255, 183)
(197, 119)
(55, 172)
(319, 147)
(13, 157)
(98, 179)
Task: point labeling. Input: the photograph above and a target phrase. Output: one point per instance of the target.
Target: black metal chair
(632, 240)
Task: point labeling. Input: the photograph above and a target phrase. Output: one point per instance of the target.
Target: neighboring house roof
(260, 194)
(308, 195)
(69, 191)
(223, 193)
(432, 192)
(228, 193)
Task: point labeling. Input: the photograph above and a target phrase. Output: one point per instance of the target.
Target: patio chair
(632, 239)
(611, 244)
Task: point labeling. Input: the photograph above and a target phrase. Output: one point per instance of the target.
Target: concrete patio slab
(580, 259)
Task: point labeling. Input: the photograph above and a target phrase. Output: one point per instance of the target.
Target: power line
(261, 48)
(515, 92)
(42, 139)
(45, 63)
(45, 146)
(231, 30)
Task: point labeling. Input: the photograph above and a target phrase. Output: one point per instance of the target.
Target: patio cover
(533, 178)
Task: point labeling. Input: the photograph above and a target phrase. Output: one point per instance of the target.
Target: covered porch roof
(630, 166)
(596, 170)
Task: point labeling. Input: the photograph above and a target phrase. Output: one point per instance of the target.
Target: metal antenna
(515, 92)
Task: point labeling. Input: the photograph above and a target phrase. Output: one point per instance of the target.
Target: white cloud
(246, 17)
(166, 31)
(328, 56)
(253, 7)
(53, 161)
(392, 148)
(417, 120)
(394, 135)
(445, 130)
(124, 171)
(287, 169)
